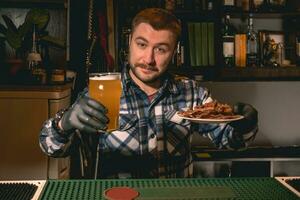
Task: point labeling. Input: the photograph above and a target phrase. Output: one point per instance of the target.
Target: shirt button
(152, 135)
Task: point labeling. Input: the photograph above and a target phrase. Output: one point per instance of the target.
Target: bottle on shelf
(202, 5)
(243, 5)
(210, 5)
(246, 5)
(179, 5)
(256, 5)
(229, 5)
(252, 45)
(228, 33)
(276, 5)
(170, 5)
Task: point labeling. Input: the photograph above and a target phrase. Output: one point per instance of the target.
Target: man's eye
(160, 50)
(141, 45)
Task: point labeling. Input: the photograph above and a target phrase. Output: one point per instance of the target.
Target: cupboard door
(20, 154)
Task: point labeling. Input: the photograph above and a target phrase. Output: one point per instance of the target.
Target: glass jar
(39, 75)
(58, 76)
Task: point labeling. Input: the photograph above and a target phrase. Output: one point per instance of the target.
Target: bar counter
(168, 189)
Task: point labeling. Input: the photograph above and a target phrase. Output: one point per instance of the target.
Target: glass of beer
(106, 88)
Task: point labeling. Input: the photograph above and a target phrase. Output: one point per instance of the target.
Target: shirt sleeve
(222, 135)
(52, 142)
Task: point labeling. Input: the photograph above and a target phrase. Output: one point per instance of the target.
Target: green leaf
(9, 23)
(39, 17)
(53, 41)
(2, 39)
(13, 39)
(24, 28)
(3, 30)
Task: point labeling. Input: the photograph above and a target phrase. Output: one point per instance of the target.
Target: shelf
(240, 14)
(212, 73)
(289, 16)
(189, 15)
(208, 72)
(32, 4)
(260, 73)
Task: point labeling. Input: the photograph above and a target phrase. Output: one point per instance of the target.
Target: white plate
(215, 121)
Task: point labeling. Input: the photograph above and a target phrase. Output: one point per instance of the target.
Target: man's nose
(149, 56)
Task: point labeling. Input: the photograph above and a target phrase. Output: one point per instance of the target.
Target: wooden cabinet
(23, 112)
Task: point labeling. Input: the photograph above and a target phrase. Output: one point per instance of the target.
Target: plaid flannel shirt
(153, 128)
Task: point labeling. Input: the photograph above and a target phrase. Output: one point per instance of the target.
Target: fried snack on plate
(211, 110)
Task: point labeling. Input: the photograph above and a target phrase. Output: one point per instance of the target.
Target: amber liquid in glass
(106, 88)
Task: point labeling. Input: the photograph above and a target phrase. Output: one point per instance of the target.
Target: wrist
(58, 122)
(59, 125)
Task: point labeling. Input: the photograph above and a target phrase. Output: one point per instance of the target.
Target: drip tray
(292, 183)
(21, 190)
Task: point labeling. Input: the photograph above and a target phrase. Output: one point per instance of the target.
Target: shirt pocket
(177, 133)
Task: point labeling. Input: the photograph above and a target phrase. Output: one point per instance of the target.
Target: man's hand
(249, 121)
(87, 115)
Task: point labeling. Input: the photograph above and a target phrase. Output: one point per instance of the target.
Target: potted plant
(20, 38)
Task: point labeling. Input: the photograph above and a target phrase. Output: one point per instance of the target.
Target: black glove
(250, 120)
(86, 115)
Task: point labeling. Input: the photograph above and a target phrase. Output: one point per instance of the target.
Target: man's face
(150, 53)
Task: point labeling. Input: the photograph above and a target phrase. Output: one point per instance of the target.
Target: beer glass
(106, 88)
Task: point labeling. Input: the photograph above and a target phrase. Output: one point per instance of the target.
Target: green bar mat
(215, 188)
(166, 193)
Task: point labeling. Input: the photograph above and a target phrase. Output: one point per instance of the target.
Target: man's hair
(159, 19)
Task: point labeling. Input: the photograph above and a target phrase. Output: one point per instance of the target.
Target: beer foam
(115, 76)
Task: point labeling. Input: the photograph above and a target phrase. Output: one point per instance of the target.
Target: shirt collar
(168, 83)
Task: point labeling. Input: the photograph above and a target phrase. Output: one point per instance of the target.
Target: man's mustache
(145, 66)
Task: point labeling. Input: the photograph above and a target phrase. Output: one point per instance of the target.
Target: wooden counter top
(35, 91)
(35, 87)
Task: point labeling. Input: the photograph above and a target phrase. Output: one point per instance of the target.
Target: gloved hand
(87, 115)
(249, 121)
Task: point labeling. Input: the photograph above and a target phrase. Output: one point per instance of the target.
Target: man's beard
(145, 79)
